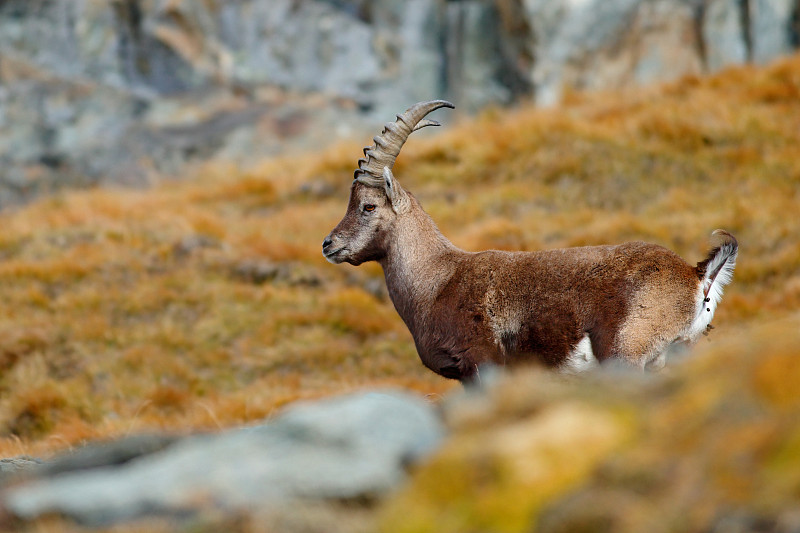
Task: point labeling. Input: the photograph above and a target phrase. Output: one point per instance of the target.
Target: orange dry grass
(206, 303)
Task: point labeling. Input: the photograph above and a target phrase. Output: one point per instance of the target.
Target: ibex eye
(369, 208)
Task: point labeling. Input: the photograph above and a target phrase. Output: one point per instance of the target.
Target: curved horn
(388, 144)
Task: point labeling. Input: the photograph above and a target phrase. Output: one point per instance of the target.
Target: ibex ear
(397, 196)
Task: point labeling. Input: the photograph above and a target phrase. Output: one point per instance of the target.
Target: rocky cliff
(125, 91)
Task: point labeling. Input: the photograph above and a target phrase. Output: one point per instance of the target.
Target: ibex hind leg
(580, 359)
(645, 353)
(677, 349)
(656, 364)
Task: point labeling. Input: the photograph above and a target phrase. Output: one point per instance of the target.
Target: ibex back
(568, 308)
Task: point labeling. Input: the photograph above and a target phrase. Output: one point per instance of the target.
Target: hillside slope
(207, 303)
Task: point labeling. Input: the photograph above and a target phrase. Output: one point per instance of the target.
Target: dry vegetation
(713, 445)
(207, 303)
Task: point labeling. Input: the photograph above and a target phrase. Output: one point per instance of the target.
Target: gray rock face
(725, 34)
(597, 44)
(352, 447)
(128, 91)
(572, 37)
(774, 26)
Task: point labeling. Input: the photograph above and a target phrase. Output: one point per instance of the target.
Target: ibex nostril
(327, 242)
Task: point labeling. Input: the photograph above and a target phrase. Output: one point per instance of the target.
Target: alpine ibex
(568, 308)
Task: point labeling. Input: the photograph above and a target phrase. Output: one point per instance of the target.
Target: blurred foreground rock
(354, 448)
(128, 91)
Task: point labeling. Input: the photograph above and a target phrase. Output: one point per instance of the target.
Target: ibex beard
(570, 308)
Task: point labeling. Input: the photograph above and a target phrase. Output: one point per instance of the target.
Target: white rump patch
(580, 359)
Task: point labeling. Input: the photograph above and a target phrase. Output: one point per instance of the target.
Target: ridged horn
(388, 144)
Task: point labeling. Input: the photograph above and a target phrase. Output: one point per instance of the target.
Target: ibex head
(376, 198)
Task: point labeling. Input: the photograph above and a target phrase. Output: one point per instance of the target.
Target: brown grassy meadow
(206, 303)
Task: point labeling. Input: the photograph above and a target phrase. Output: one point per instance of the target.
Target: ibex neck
(419, 262)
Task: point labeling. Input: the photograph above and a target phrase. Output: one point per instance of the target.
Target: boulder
(352, 448)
